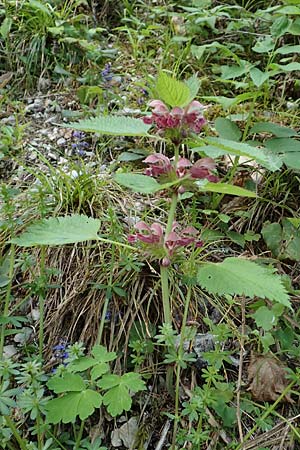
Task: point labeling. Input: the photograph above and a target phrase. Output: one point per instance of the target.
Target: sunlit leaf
(59, 231)
(237, 276)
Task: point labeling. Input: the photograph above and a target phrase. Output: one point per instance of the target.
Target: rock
(61, 141)
(9, 351)
(23, 336)
(126, 434)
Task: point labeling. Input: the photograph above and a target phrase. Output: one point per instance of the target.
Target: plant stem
(7, 297)
(164, 277)
(22, 443)
(79, 435)
(108, 295)
(42, 303)
(266, 414)
(172, 211)
(178, 368)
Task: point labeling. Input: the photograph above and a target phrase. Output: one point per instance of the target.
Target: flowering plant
(162, 244)
(184, 169)
(177, 123)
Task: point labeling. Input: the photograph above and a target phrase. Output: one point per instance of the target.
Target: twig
(163, 435)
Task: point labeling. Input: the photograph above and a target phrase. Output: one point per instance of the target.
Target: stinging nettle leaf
(172, 91)
(112, 125)
(59, 231)
(237, 276)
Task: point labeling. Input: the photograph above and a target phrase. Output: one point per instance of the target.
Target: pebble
(61, 141)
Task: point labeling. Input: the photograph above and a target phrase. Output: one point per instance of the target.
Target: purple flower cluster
(60, 351)
(106, 73)
(81, 145)
(162, 165)
(155, 235)
(189, 119)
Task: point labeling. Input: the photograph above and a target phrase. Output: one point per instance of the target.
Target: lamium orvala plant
(177, 119)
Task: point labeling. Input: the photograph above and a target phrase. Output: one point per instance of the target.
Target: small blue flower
(106, 73)
(78, 134)
(59, 347)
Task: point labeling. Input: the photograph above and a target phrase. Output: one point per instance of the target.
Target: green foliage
(237, 276)
(267, 318)
(59, 231)
(138, 182)
(79, 395)
(80, 403)
(174, 92)
(224, 188)
(118, 398)
(282, 239)
(286, 148)
(218, 146)
(228, 129)
(112, 125)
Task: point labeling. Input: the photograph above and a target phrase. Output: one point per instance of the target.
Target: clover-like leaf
(118, 398)
(102, 355)
(68, 382)
(66, 408)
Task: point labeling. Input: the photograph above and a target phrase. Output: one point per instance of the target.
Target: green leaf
(172, 91)
(291, 67)
(81, 364)
(193, 84)
(112, 125)
(231, 72)
(98, 370)
(118, 398)
(280, 26)
(258, 77)
(138, 182)
(265, 45)
(5, 27)
(294, 28)
(286, 49)
(59, 231)
(223, 188)
(288, 149)
(237, 276)
(69, 382)
(273, 128)
(65, 409)
(282, 239)
(102, 355)
(267, 318)
(225, 147)
(228, 129)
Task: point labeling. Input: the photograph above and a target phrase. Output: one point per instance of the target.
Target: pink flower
(159, 164)
(155, 236)
(162, 165)
(181, 121)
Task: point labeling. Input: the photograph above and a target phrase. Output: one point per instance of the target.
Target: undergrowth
(150, 243)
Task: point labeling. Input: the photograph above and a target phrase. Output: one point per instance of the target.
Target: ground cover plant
(150, 243)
